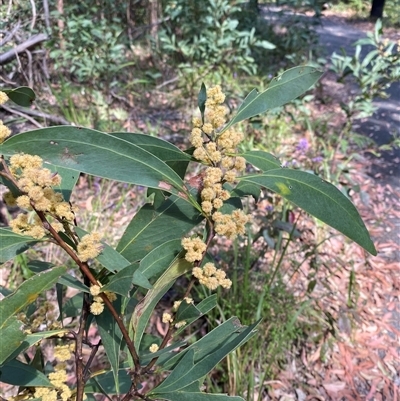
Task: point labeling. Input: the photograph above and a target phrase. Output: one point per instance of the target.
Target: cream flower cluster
(5, 132)
(58, 378)
(153, 348)
(89, 247)
(218, 151)
(97, 306)
(211, 277)
(168, 318)
(36, 183)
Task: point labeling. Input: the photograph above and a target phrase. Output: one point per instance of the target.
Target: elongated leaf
(319, 198)
(21, 374)
(73, 282)
(32, 339)
(155, 262)
(145, 307)
(12, 336)
(111, 338)
(164, 150)
(262, 160)
(188, 371)
(281, 90)
(12, 244)
(10, 327)
(152, 227)
(106, 382)
(201, 100)
(209, 343)
(96, 153)
(27, 292)
(121, 283)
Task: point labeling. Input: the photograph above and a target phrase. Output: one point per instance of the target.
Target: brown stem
(83, 266)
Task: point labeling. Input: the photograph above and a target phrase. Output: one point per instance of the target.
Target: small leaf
(23, 96)
(201, 100)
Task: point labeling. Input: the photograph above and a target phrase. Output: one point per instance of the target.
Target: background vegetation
(138, 65)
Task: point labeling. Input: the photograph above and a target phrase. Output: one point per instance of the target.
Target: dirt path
(364, 362)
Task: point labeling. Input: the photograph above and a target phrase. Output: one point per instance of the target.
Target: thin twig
(30, 70)
(36, 113)
(86, 372)
(10, 34)
(33, 14)
(46, 14)
(19, 113)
